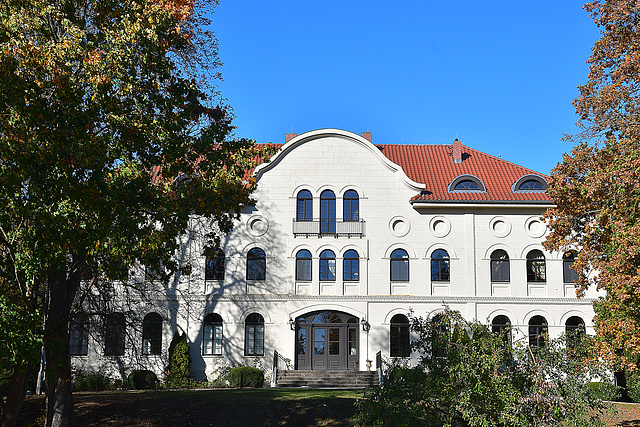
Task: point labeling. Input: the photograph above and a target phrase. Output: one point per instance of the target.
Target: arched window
(536, 267)
(254, 335)
(114, 333)
(152, 334)
(351, 266)
(440, 266)
(327, 265)
(212, 334)
(501, 325)
(500, 266)
(400, 336)
(304, 211)
(303, 266)
(569, 274)
(538, 331)
(466, 183)
(78, 337)
(399, 266)
(574, 329)
(214, 266)
(327, 212)
(256, 264)
(531, 185)
(351, 206)
(440, 337)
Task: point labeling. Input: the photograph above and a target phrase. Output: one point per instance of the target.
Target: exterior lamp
(292, 324)
(365, 325)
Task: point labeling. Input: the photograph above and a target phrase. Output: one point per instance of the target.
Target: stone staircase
(327, 379)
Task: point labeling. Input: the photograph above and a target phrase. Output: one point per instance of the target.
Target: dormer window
(530, 184)
(466, 184)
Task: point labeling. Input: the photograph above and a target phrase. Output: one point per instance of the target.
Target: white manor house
(346, 239)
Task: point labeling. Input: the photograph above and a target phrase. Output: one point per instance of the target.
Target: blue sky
(499, 75)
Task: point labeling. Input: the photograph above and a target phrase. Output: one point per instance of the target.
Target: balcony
(329, 228)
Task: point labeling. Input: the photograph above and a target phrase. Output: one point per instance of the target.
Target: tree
(596, 188)
(467, 375)
(110, 141)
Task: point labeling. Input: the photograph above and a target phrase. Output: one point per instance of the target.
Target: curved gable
(342, 134)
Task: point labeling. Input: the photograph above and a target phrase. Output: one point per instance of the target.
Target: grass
(246, 407)
(230, 407)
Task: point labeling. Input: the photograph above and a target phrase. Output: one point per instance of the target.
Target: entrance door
(327, 341)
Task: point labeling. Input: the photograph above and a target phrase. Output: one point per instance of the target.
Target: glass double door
(327, 341)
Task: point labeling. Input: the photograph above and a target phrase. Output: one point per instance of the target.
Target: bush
(251, 377)
(633, 384)
(143, 380)
(604, 391)
(179, 370)
(92, 381)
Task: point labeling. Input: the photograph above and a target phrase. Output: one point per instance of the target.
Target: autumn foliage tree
(597, 186)
(110, 141)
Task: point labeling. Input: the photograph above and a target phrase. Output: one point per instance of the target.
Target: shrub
(633, 384)
(251, 377)
(179, 369)
(604, 391)
(143, 380)
(92, 381)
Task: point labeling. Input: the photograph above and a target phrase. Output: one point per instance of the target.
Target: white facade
(390, 217)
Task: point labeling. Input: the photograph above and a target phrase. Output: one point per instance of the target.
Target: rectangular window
(303, 269)
(114, 335)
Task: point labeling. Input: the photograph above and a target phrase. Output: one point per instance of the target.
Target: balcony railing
(329, 227)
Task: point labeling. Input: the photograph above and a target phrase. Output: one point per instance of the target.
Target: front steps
(327, 379)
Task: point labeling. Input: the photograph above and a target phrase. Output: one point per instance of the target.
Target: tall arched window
(400, 336)
(254, 335)
(351, 206)
(569, 274)
(440, 336)
(351, 266)
(536, 267)
(256, 264)
(440, 266)
(78, 337)
(114, 334)
(303, 266)
(399, 266)
(574, 329)
(212, 334)
(152, 334)
(327, 265)
(214, 266)
(327, 212)
(538, 331)
(304, 210)
(500, 266)
(501, 325)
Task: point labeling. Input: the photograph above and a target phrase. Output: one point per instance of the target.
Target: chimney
(457, 151)
(289, 136)
(368, 136)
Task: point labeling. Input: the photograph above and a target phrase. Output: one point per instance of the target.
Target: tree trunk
(15, 395)
(62, 291)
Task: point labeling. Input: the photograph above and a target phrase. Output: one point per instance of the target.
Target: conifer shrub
(178, 373)
(143, 380)
(250, 377)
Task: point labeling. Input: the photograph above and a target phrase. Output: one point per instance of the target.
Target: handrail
(329, 227)
(280, 363)
(379, 367)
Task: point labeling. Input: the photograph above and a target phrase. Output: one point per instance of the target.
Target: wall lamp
(365, 325)
(292, 324)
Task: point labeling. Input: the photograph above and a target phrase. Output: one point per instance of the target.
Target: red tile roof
(433, 166)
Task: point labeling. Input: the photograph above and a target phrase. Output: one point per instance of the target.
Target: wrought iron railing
(379, 367)
(280, 363)
(329, 227)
